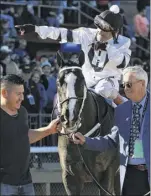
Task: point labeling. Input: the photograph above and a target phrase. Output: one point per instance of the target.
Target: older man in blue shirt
(132, 134)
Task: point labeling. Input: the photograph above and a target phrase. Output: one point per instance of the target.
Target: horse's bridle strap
(97, 126)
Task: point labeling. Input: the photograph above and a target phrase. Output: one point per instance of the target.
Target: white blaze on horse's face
(70, 79)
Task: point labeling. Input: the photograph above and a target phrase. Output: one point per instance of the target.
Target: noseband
(78, 122)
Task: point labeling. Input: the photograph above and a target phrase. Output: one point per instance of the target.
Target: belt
(139, 167)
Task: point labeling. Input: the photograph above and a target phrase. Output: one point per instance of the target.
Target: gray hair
(139, 72)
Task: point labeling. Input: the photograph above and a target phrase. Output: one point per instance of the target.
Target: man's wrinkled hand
(26, 28)
(78, 138)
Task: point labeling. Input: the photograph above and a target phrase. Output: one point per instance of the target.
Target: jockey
(106, 51)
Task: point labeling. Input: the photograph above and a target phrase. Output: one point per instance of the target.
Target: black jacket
(30, 88)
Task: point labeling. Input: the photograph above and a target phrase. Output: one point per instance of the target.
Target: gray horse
(80, 110)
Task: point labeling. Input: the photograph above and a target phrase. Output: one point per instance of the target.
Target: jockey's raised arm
(78, 36)
(106, 51)
(83, 36)
(86, 36)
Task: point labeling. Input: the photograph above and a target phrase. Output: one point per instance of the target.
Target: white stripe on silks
(71, 80)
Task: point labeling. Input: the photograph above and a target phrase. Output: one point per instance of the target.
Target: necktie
(135, 127)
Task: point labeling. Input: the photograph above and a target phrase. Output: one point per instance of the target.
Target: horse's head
(72, 89)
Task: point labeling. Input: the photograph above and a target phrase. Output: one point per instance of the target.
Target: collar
(108, 41)
(142, 102)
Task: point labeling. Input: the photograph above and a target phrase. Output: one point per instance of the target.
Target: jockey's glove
(26, 28)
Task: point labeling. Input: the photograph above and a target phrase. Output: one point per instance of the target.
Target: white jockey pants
(107, 88)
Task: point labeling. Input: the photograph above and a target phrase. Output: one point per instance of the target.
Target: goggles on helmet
(102, 24)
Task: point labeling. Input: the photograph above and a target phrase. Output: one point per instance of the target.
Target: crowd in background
(39, 75)
(40, 72)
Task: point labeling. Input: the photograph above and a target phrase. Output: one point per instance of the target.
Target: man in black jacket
(31, 94)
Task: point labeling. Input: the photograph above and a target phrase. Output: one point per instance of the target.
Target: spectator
(28, 16)
(43, 78)
(10, 43)
(126, 31)
(52, 88)
(9, 66)
(21, 49)
(18, 19)
(6, 31)
(4, 60)
(42, 59)
(12, 68)
(132, 134)
(32, 97)
(52, 20)
(141, 32)
(145, 4)
(15, 177)
(15, 58)
(43, 96)
(8, 18)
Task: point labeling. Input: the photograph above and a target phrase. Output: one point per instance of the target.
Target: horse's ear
(60, 61)
(81, 58)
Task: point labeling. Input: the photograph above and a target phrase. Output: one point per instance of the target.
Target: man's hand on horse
(78, 138)
(26, 28)
(54, 126)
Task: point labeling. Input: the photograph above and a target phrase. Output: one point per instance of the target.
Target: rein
(96, 127)
(78, 124)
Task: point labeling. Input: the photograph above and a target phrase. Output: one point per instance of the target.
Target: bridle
(78, 122)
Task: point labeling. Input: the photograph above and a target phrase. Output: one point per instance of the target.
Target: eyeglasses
(129, 84)
(101, 24)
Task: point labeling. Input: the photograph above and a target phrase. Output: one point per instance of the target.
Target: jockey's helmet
(110, 20)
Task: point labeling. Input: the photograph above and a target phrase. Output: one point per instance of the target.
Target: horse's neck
(94, 111)
(89, 114)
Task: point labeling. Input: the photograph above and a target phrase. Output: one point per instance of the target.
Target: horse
(80, 109)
